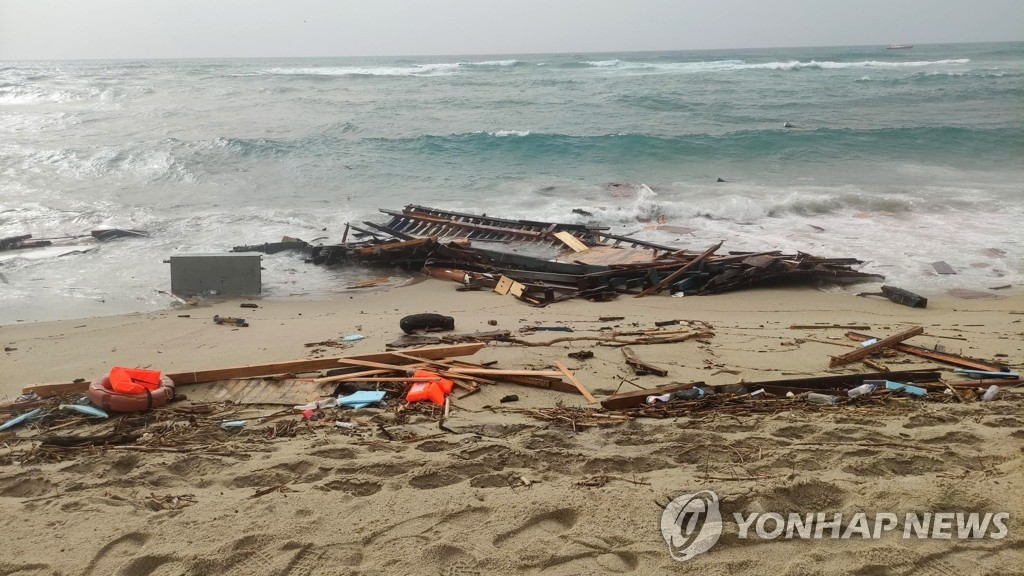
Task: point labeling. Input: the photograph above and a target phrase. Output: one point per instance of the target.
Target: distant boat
(900, 46)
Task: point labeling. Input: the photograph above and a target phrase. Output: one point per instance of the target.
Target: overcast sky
(50, 29)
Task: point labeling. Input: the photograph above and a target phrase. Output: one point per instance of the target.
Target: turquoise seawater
(899, 157)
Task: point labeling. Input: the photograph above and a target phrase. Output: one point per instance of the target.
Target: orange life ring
(102, 395)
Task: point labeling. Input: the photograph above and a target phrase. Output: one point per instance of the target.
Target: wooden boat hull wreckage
(544, 262)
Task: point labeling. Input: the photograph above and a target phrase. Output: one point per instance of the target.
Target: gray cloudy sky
(47, 29)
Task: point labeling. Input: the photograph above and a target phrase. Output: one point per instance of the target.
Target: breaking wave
(737, 65)
(805, 145)
(435, 69)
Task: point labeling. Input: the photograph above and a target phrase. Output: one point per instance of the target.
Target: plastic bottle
(655, 398)
(991, 394)
(862, 390)
(815, 398)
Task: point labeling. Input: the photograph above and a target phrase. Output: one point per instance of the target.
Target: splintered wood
(866, 351)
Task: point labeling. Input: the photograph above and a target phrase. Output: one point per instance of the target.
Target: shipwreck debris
(900, 296)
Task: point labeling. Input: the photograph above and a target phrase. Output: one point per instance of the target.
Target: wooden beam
(865, 351)
(954, 359)
(586, 393)
(675, 275)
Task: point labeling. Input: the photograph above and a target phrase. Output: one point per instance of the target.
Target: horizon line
(480, 54)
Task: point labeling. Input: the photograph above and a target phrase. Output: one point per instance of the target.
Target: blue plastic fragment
(352, 338)
(234, 424)
(19, 419)
(362, 398)
(83, 409)
(909, 389)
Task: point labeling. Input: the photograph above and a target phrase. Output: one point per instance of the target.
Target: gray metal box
(236, 274)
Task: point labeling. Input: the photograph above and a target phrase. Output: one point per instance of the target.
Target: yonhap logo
(691, 524)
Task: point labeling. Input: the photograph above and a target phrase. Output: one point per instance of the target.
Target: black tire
(415, 322)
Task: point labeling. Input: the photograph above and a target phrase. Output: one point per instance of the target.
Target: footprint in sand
(551, 523)
(118, 554)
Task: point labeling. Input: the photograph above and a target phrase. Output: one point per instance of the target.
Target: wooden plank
(678, 273)
(865, 351)
(369, 364)
(56, 389)
(641, 367)
(378, 248)
(287, 367)
(571, 241)
(586, 393)
(260, 391)
(612, 256)
(490, 372)
(341, 377)
(954, 359)
(637, 397)
(542, 382)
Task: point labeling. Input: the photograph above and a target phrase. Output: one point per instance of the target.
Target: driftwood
(946, 357)
(866, 351)
(572, 378)
(640, 367)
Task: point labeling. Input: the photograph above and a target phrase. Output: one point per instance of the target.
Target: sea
(900, 158)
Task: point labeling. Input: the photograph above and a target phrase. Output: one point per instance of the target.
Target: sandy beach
(501, 491)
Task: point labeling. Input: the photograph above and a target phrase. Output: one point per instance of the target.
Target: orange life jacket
(433, 391)
(134, 380)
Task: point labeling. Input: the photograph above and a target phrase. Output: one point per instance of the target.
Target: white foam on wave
(828, 65)
(899, 235)
(792, 65)
(507, 133)
(491, 63)
(435, 69)
(131, 163)
(15, 95)
(126, 276)
(418, 70)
